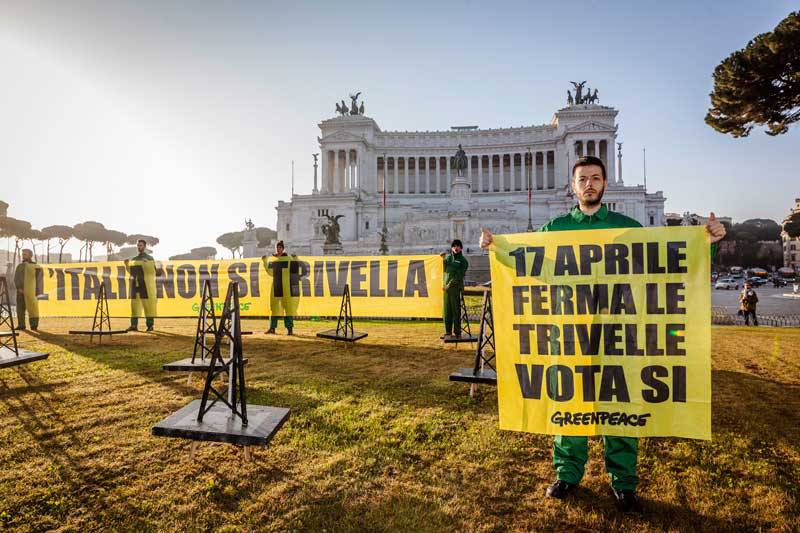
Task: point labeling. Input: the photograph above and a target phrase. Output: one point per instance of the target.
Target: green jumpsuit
(283, 305)
(455, 267)
(571, 453)
(139, 305)
(25, 283)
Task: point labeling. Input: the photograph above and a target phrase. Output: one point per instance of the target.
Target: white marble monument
(427, 205)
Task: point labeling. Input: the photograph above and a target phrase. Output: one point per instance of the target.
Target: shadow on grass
(397, 374)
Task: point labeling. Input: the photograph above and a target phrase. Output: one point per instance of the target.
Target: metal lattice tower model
(485, 338)
(344, 325)
(230, 329)
(206, 324)
(8, 333)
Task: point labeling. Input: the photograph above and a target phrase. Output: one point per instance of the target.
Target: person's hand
(126, 262)
(263, 257)
(715, 229)
(486, 238)
(443, 254)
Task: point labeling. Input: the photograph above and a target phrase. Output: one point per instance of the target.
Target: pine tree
(760, 84)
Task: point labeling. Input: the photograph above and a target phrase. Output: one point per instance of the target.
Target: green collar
(580, 216)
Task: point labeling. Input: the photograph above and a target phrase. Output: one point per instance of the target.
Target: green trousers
(282, 306)
(149, 321)
(452, 311)
(21, 314)
(287, 321)
(570, 455)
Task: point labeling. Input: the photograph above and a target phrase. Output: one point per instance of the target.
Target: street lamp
(530, 161)
(384, 248)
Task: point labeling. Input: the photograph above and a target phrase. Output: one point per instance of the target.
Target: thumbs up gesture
(715, 228)
(486, 238)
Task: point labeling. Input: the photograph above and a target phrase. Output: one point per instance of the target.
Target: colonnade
(496, 172)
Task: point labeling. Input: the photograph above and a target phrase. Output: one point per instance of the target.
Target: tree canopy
(792, 225)
(265, 236)
(232, 241)
(134, 238)
(62, 233)
(760, 84)
(203, 252)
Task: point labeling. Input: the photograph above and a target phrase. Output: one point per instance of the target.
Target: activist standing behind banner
(747, 303)
(570, 453)
(143, 287)
(455, 268)
(281, 301)
(25, 282)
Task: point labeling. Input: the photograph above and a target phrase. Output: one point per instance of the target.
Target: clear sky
(180, 119)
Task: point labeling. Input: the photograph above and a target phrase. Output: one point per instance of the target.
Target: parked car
(727, 284)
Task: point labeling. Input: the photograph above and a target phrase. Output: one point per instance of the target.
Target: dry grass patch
(378, 439)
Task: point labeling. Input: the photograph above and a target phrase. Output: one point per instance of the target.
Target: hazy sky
(180, 119)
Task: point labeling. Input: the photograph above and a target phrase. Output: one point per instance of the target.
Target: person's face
(589, 185)
(27, 255)
(140, 246)
(278, 249)
(456, 249)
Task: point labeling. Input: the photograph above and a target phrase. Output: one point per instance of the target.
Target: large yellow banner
(384, 286)
(604, 332)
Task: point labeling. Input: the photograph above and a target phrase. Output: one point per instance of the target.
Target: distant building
(674, 219)
(791, 247)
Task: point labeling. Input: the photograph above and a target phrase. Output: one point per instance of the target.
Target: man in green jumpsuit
(144, 299)
(281, 301)
(571, 453)
(25, 282)
(455, 267)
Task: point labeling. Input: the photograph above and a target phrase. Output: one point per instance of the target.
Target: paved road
(770, 301)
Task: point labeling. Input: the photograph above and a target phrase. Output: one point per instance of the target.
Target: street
(770, 300)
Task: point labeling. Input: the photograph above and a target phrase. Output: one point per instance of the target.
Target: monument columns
(512, 178)
(502, 172)
(395, 184)
(546, 168)
(480, 173)
(347, 170)
(469, 170)
(427, 176)
(447, 173)
(336, 171)
(491, 173)
(405, 173)
(523, 175)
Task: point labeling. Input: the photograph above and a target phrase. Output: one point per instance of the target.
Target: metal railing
(722, 317)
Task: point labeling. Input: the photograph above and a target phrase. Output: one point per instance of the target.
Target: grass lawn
(378, 439)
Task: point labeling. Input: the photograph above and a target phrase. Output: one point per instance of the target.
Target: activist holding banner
(282, 303)
(596, 316)
(142, 272)
(25, 283)
(455, 268)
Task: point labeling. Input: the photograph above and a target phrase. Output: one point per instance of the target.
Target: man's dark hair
(587, 160)
(456, 242)
(142, 241)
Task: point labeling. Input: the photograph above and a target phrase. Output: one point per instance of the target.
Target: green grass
(378, 439)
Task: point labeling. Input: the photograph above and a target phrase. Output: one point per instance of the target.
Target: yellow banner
(384, 286)
(604, 332)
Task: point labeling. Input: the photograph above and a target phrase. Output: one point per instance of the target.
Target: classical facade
(791, 246)
(428, 204)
